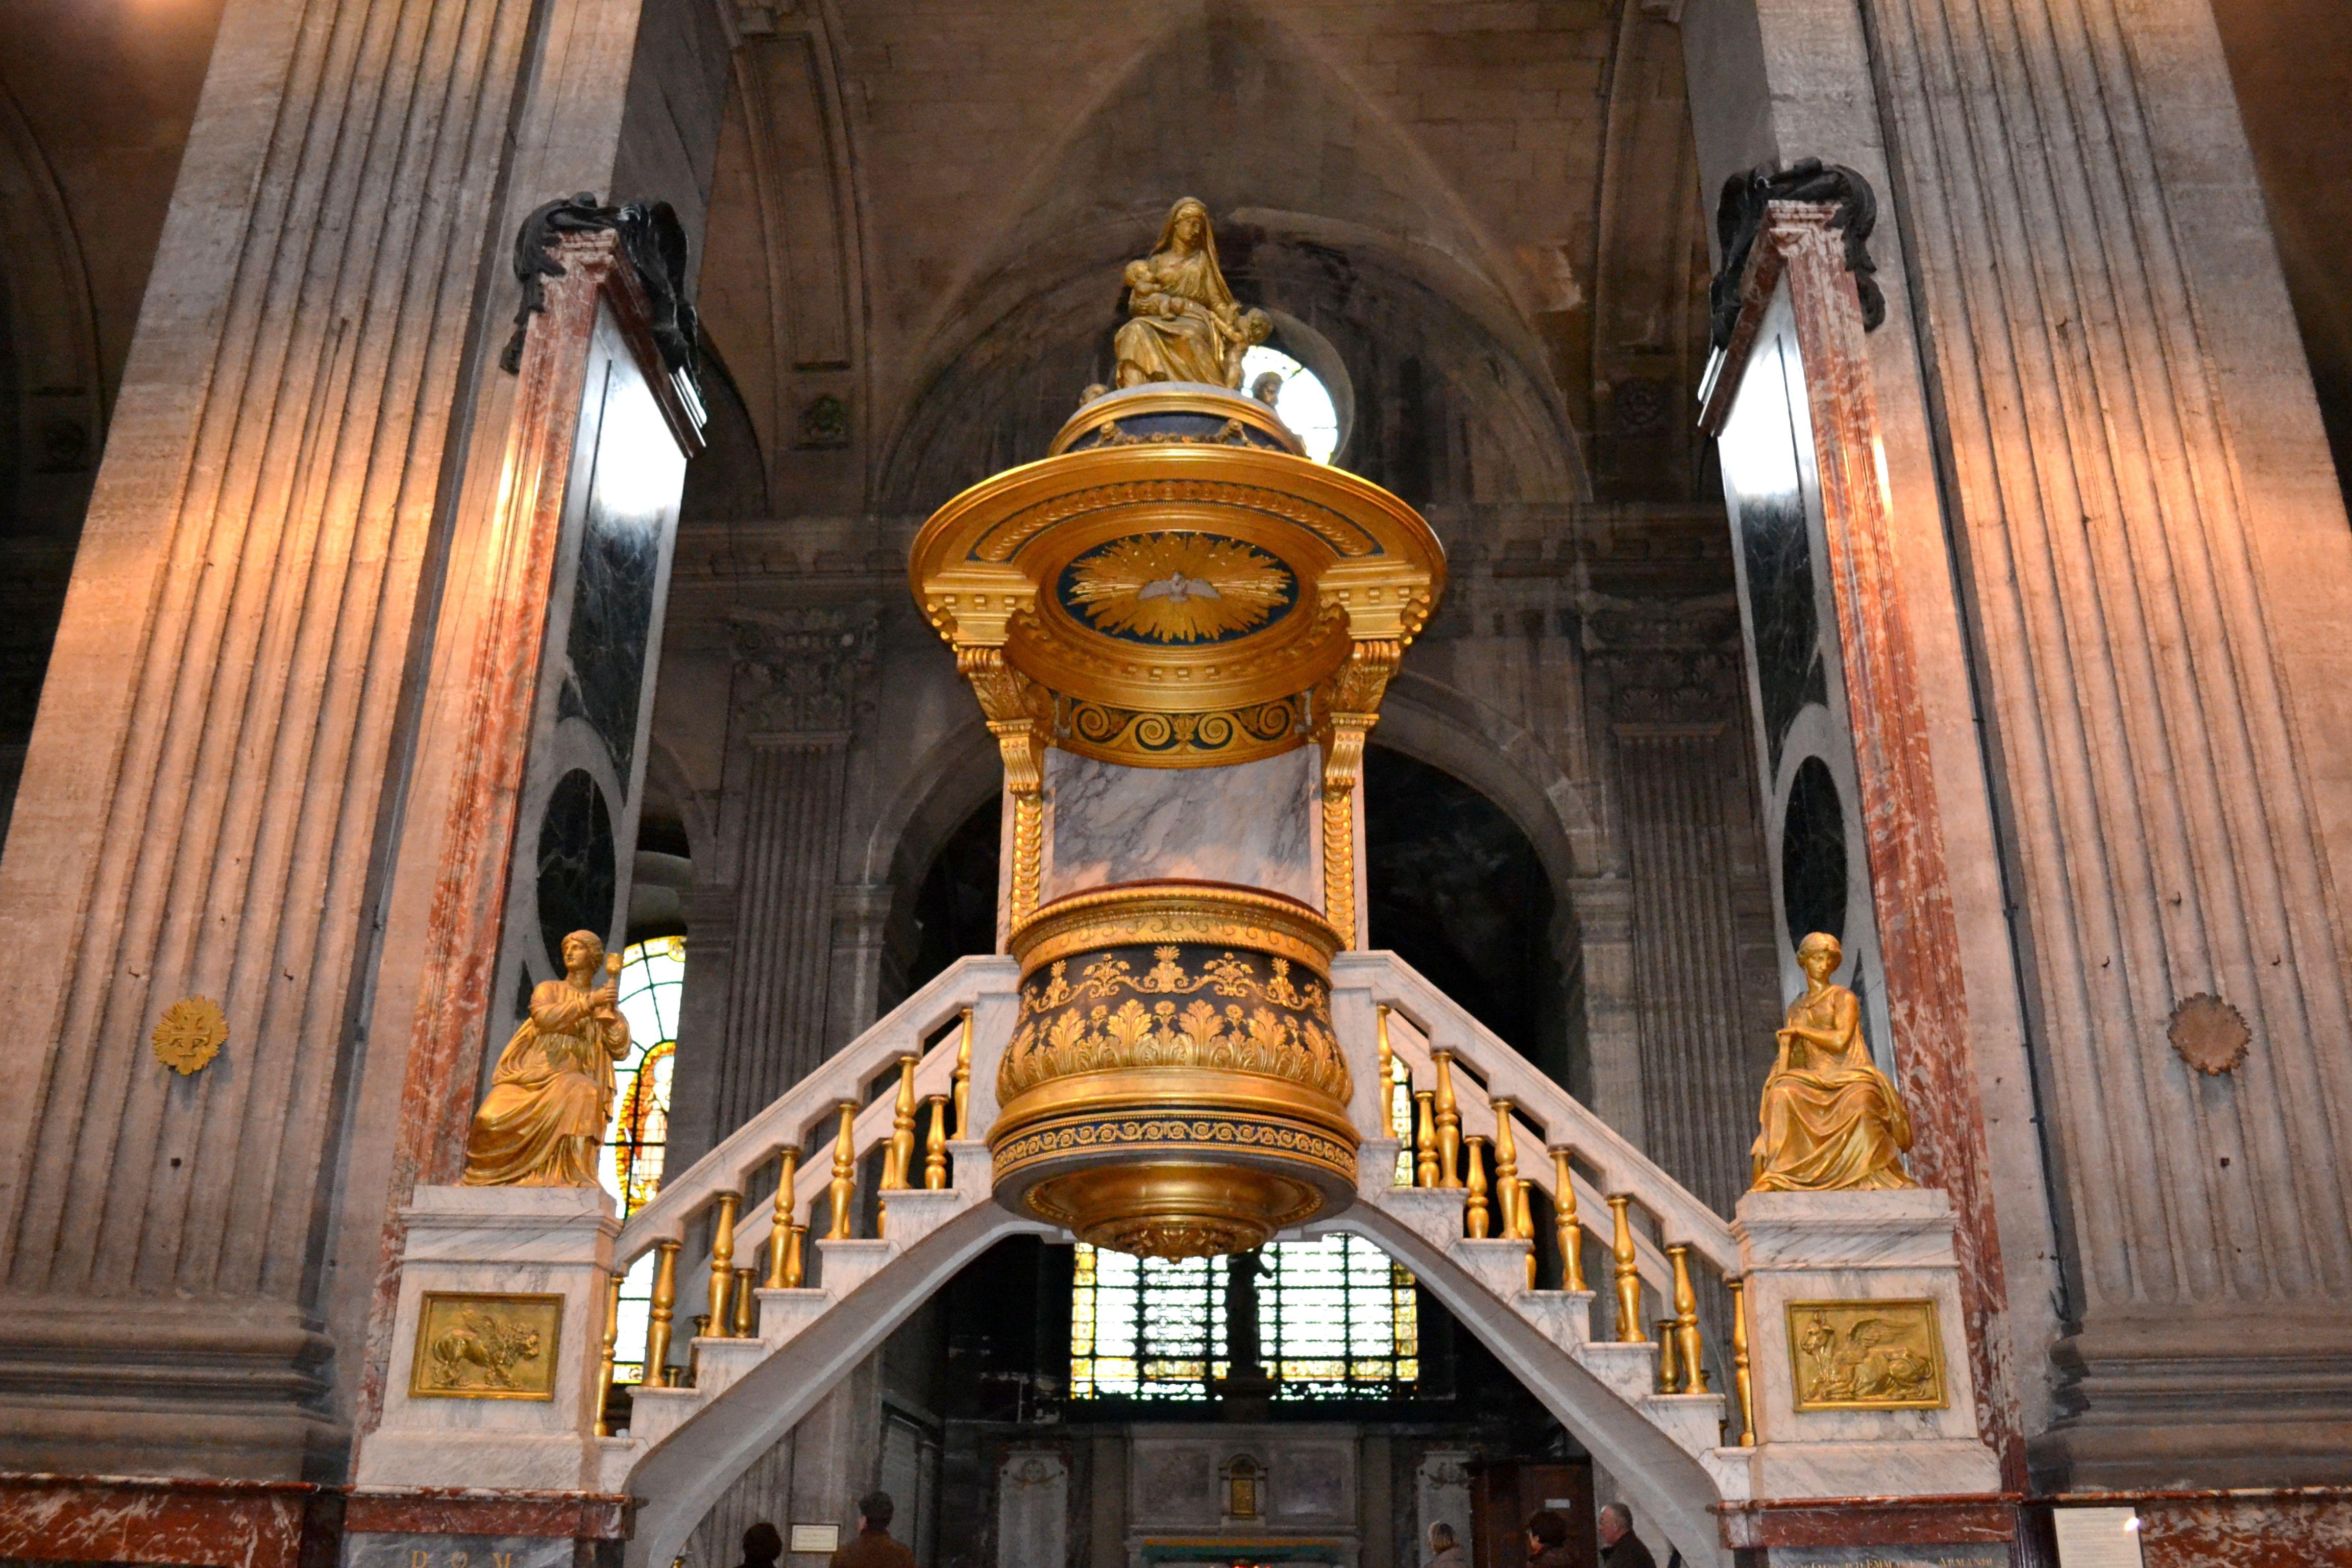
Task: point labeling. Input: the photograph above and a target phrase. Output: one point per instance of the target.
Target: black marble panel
(1778, 546)
(579, 870)
(1813, 855)
(612, 618)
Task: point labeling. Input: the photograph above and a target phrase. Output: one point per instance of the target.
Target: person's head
(1441, 1536)
(1548, 1530)
(1819, 955)
(762, 1544)
(1617, 1519)
(583, 950)
(875, 1511)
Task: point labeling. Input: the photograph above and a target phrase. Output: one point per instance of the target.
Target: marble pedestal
(1848, 1293)
(471, 1399)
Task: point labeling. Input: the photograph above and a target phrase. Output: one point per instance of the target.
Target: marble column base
(1855, 1250)
(491, 1242)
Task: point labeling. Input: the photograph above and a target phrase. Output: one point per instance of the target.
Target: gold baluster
(1506, 1171)
(963, 1079)
(843, 1188)
(1564, 1221)
(1741, 1379)
(1628, 1273)
(1449, 1123)
(1424, 1137)
(1668, 1371)
(1687, 1319)
(722, 1257)
(781, 1226)
(1388, 1060)
(693, 1350)
(746, 1322)
(935, 1146)
(611, 1343)
(1473, 1152)
(660, 1314)
(794, 1264)
(900, 1163)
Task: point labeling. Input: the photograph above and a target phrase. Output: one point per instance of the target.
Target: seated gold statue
(1183, 323)
(552, 1097)
(1831, 1119)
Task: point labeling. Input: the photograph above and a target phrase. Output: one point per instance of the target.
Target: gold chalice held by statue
(1831, 1122)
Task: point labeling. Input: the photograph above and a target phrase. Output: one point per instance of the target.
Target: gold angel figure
(1182, 323)
(1831, 1120)
(552, 1097)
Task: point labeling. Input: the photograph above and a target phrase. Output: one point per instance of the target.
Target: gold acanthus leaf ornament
(190, 1034)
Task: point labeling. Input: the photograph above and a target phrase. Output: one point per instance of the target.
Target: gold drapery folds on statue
(1831, 1122)
(552, 1097)
(1183, 323)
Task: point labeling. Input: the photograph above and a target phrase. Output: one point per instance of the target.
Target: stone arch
(688, 1471)
(1364, 241)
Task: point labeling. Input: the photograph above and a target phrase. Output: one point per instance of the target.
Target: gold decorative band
(1203, 914)
(1221, 1134)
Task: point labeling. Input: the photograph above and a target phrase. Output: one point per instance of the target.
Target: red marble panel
(98, 1519)
(1869, 1521)
(588, 1516)
(2304, 1527)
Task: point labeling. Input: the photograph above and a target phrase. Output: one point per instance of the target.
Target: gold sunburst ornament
(190, 1034)
(1177, 588)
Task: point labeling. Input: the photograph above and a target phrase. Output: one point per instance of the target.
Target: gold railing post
(1564, 1221)
(1507, 1169)
(611, 1343)
(1449, 1123)
(935, 1146)
(788, 1171)
(1424, 1137)
(746, 1322)
(795, 1257)
(722, 1257)
(1388, 1064)
(898, 1165)
(963, 1079)
(1473, 1152)
(694, 1349)
(1629, 1272)
(660, 1313)
(843, 1187)
(1687, 1319)
(1742, 1380)
(1669, 1369)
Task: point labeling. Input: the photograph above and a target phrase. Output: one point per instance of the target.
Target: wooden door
(1505, 1493)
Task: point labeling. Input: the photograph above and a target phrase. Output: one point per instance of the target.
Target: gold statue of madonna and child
(544, 1121)
(1831, 1120)
(1182, 323)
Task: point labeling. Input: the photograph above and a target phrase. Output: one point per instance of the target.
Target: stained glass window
(1336, 1320)
(652, 974)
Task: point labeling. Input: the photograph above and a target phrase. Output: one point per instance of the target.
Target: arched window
(1302, 399)
(1336, 1318)
(653, 975)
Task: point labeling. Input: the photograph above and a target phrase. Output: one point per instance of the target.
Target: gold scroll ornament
(190, 1034)
(486, 1347)
(1866, 1355)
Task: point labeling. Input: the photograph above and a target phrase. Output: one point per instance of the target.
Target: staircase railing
(1459, 1073)
(941, 1040)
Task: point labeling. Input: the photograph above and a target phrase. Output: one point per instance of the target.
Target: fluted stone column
(233, 790)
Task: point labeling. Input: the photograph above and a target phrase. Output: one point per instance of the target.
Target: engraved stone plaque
(1969, 1555)
(486, 1347)
(400, 1548)
(1866, 1355)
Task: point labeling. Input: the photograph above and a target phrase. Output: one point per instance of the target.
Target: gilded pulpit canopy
(1183, 323)
(1831, 1120)
(550, 1100)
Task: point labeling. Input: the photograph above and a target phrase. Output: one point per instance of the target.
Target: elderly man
(874, 1548)
(1620, 1547)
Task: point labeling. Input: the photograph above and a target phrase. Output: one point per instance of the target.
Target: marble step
(911, 1214)
(615, 1457)
(655, 1413)
(784, 1313)
(1694, 1421)
(1565, 1317)
(1434, 1214)
(1630, 1371)
(969, 1172)
(719, 1362)
(843, 1265)
(1499, 1263)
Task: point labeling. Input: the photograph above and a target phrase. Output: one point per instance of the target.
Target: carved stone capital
(801, 671)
